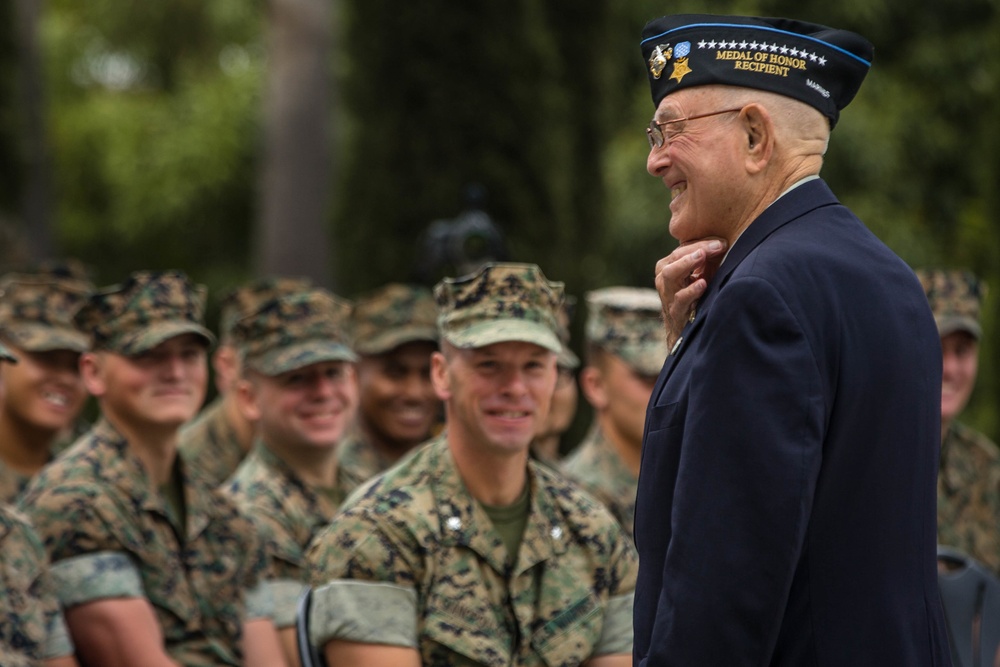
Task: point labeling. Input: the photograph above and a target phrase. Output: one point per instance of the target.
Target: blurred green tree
(155, 123)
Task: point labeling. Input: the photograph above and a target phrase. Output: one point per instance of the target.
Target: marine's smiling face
(961, 364)
(498, 396)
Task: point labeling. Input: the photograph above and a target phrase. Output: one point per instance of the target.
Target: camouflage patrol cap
(293, 331)
(6, 355)
(500, 303)
(567, 358)
(144, 311)
(393, 315)
(627, 322)
(955, 297)
(246, 299)
(36, 309)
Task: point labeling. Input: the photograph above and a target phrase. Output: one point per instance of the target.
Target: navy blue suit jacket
(786, 504)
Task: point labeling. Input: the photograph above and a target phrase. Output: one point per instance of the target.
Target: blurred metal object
(459, 246)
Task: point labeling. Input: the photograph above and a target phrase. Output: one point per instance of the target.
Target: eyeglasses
(657, 137)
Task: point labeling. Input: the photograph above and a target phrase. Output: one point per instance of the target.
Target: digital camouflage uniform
(211, 444)
(110, 534)
(625, 322)
(31, 624)
(36, 310)
(969, 495)
(284, 334)
(382, 320)
(287, 513)
(210, 441)
(413, 560)
(356, 456)
(447, 589)
(596, 467)
(968, 489)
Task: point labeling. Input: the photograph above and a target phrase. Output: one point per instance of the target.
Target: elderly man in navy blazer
(786, 503)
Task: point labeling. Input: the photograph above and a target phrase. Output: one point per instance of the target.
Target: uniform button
(556, 532)
(454, 523)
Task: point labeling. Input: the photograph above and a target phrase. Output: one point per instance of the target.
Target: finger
(685, 298)
(677, 274)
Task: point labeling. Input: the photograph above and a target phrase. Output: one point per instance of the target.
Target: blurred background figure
(625, 351)
(545, 446)
(154, 566)
(969, 479)
(43, 394)
(395, 333)
(32, 627)
(220, 437)
(298, 385)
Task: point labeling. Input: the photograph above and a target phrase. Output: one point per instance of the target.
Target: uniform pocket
(449, 634)
(569, 638)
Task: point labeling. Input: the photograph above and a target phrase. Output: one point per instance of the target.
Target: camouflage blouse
(288, 513)
(598, 469)
(108, 534)
(31, 625)
(412, 560)
(211, 445)
(968, 493)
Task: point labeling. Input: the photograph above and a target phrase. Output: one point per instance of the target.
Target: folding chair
(971, 597)
(309, 656)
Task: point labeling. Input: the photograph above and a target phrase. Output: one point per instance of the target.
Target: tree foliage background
(154, 124)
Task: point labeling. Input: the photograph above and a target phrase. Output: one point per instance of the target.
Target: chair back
(970, 594)
(309, 656)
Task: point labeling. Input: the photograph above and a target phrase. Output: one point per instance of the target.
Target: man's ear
(92, 373)
(247, 399)
(226, 364)
(593, 387)
(439, 376)
(758, 127)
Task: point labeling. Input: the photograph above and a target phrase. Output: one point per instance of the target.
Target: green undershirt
(335, 494)
(173, 496)
(510, 522)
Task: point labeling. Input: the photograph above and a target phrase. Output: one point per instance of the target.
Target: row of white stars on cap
(764, 46)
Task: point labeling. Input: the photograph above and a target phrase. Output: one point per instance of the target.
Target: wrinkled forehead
(688, 101)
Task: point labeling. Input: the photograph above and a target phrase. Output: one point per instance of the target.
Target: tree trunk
(36, 197)
(297, 170)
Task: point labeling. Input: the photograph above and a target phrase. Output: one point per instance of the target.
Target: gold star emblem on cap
(680, 69)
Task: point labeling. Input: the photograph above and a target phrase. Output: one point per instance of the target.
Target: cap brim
(505, 331)
(951, 323)
(300, 355)
(42, 338)
(6, 355)
(644, 359)
(390, 340)
(567, 358)
(146, 338)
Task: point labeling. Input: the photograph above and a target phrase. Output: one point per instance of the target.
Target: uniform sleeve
(258, 594)
(57, 640)
(32, 623)
(616, 634)
(89, 560)
(749, 463)
(363, 582)
(73, 520)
